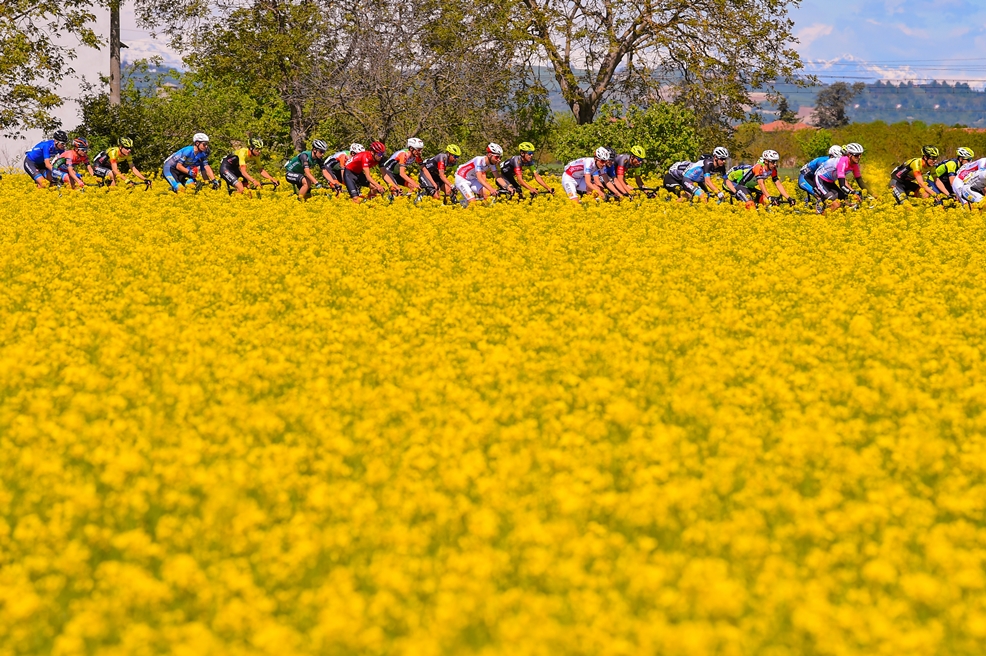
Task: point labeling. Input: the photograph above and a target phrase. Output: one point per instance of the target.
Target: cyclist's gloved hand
(791, 201)
(215, 183)
(720, 196)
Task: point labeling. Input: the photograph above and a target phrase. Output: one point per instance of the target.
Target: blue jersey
(811, 167)
(703, 169)
(44, 150)
(188, 158)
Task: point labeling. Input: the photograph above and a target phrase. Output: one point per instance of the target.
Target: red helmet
(378, 147)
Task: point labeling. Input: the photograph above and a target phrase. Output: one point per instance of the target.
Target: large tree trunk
(299, 134)
(115, 73)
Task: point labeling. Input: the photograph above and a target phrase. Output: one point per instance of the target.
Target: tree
(784, 112)
(696, 51)
(32, 64)
(830, 105)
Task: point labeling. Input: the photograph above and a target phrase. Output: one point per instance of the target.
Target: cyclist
(395, 168)
(830, 178)
(582, 175)
(806, 177)
(356, 174)
(436, 167)
(107, 163)
(470, 178)
(511, 171)
(37, 161)
(333, 165)
(298, 170)
(697, 179)
(945, 172)
(233, 168)
(907, 178)
(178, 167)
(749, 183)
(674, 178)
(65, 164)
(970, 180)
(617, 170)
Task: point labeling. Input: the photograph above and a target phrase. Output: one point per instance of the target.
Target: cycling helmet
(854, 149)
(200, 136)
(126, 142)
(770, 156)
(378, 147)
(355, 148)
(452, 149)
(414, 142)
(80, 144)
(318, 144)
(526, 147)
(60, 136)
(965, 153)
(930, 152)
(494, 149)
(638, 152)
(255, 143)
(603, 153)
(836, 151)
(720, 153)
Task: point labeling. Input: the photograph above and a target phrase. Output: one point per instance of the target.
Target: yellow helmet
(526, 147)
(638, 151)
(452, 149)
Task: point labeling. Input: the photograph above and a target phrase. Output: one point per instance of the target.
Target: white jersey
(971, 173)
(582, 167)
(468, 170)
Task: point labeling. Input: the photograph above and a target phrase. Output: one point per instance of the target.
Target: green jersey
(303, 161)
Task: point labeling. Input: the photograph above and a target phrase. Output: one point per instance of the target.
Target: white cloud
(910, 31)
(813, 32)
(148, 48)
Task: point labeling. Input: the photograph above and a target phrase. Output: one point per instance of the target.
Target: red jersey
(359, 163)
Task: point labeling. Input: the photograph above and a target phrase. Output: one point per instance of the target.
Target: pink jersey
(469, 170)
(835, 169)
(581, 167)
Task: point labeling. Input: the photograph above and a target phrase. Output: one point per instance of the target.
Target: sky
(867, 40)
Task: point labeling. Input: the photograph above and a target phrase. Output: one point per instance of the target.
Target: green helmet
(452, 149)
(930, 152)
(126, 142)
(255, 143)
(526, 147)
(638, 151)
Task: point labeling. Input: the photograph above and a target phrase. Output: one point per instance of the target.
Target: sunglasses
(527, 152)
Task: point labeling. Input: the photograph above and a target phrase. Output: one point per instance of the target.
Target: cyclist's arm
(541, 182)
(713, 189)
(591, 186)
(639, 180)
(781, 189)
(140, 176)
(621, 184)
(267, 176)
(249, 178)
(426, 174)
(208, 169)
(308, 175)
(919, 178)
(374, 185)
(941, 185)
(402, 172)
(448, 185)
(481, 178)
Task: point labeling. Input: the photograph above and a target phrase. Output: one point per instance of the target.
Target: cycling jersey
(188, 158)
(702, 169)
(835, 169)
(811, 168)
(512, 168)
(478, 164)
(42, 151)
(73, 158)
(301, 161)
(947, 169)
(435, 164)
(337, 161)
(110, 155)
(582, 167)
(401, 158)
(677, 170)
(756, 173)
(359, 163)
(737, 174)
(241, 156)
(906, 172)
(619, 166)
(971, 170)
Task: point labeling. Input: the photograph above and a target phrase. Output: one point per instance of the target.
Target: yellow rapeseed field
(258, 426)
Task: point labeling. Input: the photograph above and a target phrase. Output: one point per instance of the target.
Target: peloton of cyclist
(908, 178)
(749, 183)
(65, 165)
(806, 177)
(512, 171)
(333, 165)
(830, 178)
(582, 175)
(437, 182)
(356, 173)
(395, 171)
(697, 178)
(233, 168)
(298, 170)
(471, 178)
(617, 170)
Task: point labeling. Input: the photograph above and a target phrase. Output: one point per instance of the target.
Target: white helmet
(603, 153)
(494, 149)
(770, 156)
(414, 142)
(836, 151)
(854, 149)
(201, 136)
(356, 149)
(720, 153)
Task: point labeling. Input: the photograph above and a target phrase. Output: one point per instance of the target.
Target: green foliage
(813, 143)
(832, 101)
(161, 120)
(665, 130)
(32, 64)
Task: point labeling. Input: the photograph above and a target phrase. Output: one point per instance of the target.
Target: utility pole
(115, 52)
